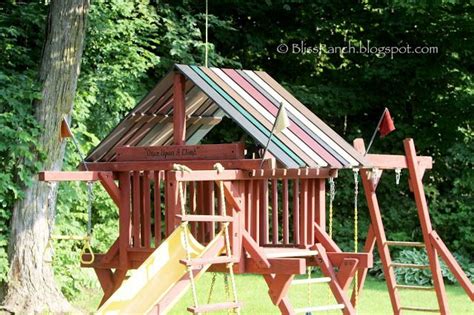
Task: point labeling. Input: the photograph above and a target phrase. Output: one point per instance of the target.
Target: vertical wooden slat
(311, 204)
(192, 205)
(285, 214)
(249, 205)
(136, 208)
(200, 210)
(146, 209)
(157, 204)
(304, 212)
(212, 209)
(296, 212)
(124, 219)
(264, 217)
(275, 211)
(320, 200)
(256, 211)
(172, 204)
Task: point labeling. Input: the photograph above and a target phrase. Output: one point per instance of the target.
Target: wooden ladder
(198, 263)
(431, 241)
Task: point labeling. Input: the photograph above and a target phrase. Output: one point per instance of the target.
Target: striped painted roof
(251, 99)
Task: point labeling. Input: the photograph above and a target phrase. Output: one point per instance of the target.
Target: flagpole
(375, 132)
(271, 135)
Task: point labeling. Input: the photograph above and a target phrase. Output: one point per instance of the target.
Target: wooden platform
(287, 252)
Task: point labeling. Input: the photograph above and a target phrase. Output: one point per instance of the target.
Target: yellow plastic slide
(156, 276)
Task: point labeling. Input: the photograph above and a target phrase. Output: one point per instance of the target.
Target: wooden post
(179, 117)
(124, 219)
(296, 210)
(146, 207)
(157, 205)
(321, 202)
(377, 226)
(286, 214)
(136, 209)
(264, 227)
(425, 222)
(274, 211)
(304, 213)
(172, 204)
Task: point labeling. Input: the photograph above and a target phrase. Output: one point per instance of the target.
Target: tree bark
(31, 286)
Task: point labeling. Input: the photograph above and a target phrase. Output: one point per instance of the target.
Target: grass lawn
(252, 291)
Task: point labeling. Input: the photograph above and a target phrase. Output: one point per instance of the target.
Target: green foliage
(422, 276)
(19, 159)
(130, 45)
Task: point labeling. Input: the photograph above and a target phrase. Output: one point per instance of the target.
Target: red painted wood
(275, 229)
(323, 238)
(107, 181)
(226, 151)
(286, 213)
(256, 211)
(205, 218)
(320, 200)
(172, 204)
(389, 161)
(112, 252)
(51, 176)
(192, 205)
(362, 273)
(179, 113)
(296, 212)
(234, 200)
(328, 271)
(124, 218)
(453, 265)
(304, 213)
(346, 272)
(136, 208)
(157, 207)
(292, 173)
(289, 266)
(256, 253)
(212, 208)
(425, 222)
(201, 211)
(377, 225)
(365, 260)
(168, 165)
(249, 205)
(264, 217)
(310, 205)
(278, 286)
(146, 191)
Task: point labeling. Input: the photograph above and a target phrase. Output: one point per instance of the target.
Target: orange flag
(387, 125)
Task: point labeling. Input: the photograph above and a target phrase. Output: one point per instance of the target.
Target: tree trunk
(31, 286)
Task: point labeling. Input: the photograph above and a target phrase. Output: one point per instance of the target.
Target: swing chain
(356, 230)
(332, 194)
(398, 173)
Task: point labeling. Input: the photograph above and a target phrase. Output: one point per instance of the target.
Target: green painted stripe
(246, 114)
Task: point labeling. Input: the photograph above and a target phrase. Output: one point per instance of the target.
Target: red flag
(387, 125)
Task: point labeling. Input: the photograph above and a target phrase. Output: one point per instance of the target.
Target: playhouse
(186, 208)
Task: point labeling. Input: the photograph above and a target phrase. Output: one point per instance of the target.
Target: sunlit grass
(253, 292)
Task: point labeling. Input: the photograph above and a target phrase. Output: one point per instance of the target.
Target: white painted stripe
(268, 116)
(302, 118)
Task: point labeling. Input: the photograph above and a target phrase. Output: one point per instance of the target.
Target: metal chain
(211, 289)
(398, 173)
(356, 230)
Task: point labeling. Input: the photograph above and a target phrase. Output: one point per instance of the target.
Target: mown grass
(252, 291)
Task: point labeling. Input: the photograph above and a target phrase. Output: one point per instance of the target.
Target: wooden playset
(186, 208)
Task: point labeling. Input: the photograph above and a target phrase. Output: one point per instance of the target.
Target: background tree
(31, 285)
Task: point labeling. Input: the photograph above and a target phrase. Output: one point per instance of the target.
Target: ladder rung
(419, 309)
(205, 218)
(205, 308)
(414, 287)
(415, 266)
(312, 280)
(319, 308)
(209, 261)
(408, 244)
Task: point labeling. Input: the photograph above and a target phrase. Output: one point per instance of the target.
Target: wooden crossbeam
(389, 161)
(61, 176)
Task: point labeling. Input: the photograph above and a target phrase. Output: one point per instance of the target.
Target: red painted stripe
(269, 106)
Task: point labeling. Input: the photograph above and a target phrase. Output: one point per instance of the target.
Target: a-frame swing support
(432, 242)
